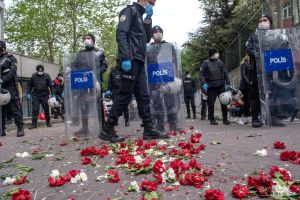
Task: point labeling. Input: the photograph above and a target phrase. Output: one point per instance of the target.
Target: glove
(126, 65)
(228, 87)
(205, 86)
(28, 96)
(195, 94)
(108, 93)
(149, 11)
(63, 94)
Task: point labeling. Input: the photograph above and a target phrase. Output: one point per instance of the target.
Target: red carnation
(21, 195)
(292, 156)
(195, 138)
(113, 176)
(240, 191)
(86, 161)
(213, 194)
(56, 183)
(182, 132)
(286, 176)
(20, 180)
(279, 145)
(261, 184)
(207, 172)
(295, 189)
(158, 167)
(148, 185)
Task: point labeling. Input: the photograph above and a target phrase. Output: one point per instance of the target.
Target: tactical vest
(40, 82)
(215, 71)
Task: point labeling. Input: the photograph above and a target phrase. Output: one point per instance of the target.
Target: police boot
(151, 133)
(48, 124)
(84, 130)
(32, 126)
(294, 114)
(213, 121)
(127, 122)
(226, 122)
(194, 115)
(188, 116)
(108, 133)
(256, 123)
(277, 122)
(3, 133)
(20, 132)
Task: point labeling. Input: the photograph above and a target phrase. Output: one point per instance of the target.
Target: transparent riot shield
(82, 96)
(164, 85)
(278, 73)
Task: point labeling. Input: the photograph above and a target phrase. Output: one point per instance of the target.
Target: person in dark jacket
(113, 86)
(9, 82)
(40, 86)
(58, 88)
(100, 67)
(133, 34)
(189, 88)
(245, 86)
(214, 78)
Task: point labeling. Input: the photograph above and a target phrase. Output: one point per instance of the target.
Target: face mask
(40, 73)
(157, 37)
(216, 56)
(188, 76)
(88, 43)
(264, 26)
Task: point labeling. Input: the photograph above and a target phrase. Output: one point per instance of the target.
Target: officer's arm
(250, 47)
(148, 28)
(122, 34)
(50, 85)
(194, 86)
(202, 73)
(12, 73)
(30, 86)
(103, 64)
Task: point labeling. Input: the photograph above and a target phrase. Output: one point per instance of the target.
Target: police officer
(132, 35)
(163, 101)
(100, 68)
(213, 77)
(8, 64)
(113, 86)
(190, 89)
(58, 88)
(39, 85)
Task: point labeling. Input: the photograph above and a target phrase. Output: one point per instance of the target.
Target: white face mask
(157, 37)
(188, 76)
(88, 43)
(264, 25)
(216, 56)
(40, 73)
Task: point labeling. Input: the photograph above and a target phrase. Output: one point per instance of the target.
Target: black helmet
(39, 68)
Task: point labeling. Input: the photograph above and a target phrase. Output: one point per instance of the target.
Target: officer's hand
(205, 86)
(108, 93)
(126, 65)
(28, 96)
(149, 11)
(228, 87)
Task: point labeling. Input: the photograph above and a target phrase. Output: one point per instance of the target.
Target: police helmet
(225, 98)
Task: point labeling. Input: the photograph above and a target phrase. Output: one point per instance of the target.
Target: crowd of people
(145, 72)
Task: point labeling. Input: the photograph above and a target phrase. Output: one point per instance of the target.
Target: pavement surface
(229, 154)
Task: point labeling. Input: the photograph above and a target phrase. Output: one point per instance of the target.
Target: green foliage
(222, 22)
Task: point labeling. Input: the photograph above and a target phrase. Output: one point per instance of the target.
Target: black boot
(3, 133)
(194, 115)
(127, 122)
(32, 126)
(294, 114)
(256, 123)
(49, 124)
(150, 133)
(108, 133)
(84, 130)
(213, 122)
(277, 122)
(226, 122)
(20, 132)
(188, 116)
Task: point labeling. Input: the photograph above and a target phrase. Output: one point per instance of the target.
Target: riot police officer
(213, 77)
(113, 86)
(40, 86)
(190, 90)
(58, 89)
(132, 35)
(8, 64)
(100, 68)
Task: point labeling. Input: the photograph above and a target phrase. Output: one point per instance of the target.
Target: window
(287, 10)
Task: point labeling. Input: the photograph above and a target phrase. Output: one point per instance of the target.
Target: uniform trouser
(16, 110)
(162, 105)
(246, 107)
(203, 108)
(212, 94)
(132, 82)
(36, 102)
(125, 112)
(254, 101)
(190, 99)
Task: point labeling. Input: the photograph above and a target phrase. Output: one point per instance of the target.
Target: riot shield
(164, 85)
(278, 75)
(82, 95)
